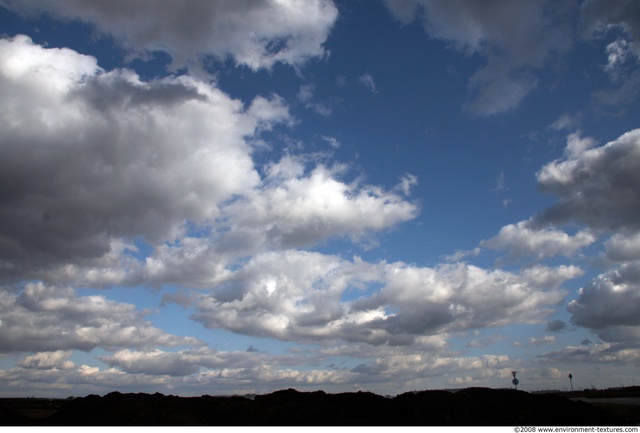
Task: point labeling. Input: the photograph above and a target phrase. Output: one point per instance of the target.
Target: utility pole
(571, 382)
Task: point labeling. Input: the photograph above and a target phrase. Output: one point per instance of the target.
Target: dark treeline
(471, 407)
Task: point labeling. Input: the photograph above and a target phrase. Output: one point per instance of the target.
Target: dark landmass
(467, 407)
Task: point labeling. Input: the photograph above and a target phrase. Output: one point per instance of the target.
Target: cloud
(332, 141)
(566, 121)
(486, 341)
(366, 80)
(306, 96)
(598, 16)
(92, 156)
(57, 360)
(254, 34)
(515, 38)
(618, 52)
(155, 362)
(535, 341)
(271, 296)
(556, 326)
(603, 353)
(523, 240)
(187, 372)
(297, 208)
(599, 19)
(623, 247)
(611, 299)
(596, 186)
(58, 320)
(130, 163)
(407, 182)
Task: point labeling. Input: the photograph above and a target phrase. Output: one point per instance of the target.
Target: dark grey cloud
(596, 186)
(599, 187)
(598, 16)
(603, 353)
(253, 33)
(556, 326)
(611, 299)
(620, 20)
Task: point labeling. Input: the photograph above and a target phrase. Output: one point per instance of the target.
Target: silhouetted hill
(472, 406)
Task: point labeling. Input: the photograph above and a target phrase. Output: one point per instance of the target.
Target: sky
(238, 197)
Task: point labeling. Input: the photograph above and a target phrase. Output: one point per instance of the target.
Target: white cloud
(49, 319)
(332, 141)
(566, 121)
(306, 96)
(366, 80)
(486, 341)
(523, 240)
(407, 182)
(294, 208)
(49, 360)
(255, 34)
(536, 341)
(272, 296)
(618, 52)
(127, 159)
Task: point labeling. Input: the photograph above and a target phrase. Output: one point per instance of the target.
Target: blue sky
(240, 197)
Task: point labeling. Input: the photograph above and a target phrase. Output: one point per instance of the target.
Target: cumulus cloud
(516, 38)
(58, 320)
(522, 240)
(556, 326)
(255, 34)
(92, 156)
(461, 297)
(623, 247)
(611, 299)
(49, 360)
(294, 208)
(98, 162)
(187, 372)
(272, 296)
(596, 186)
